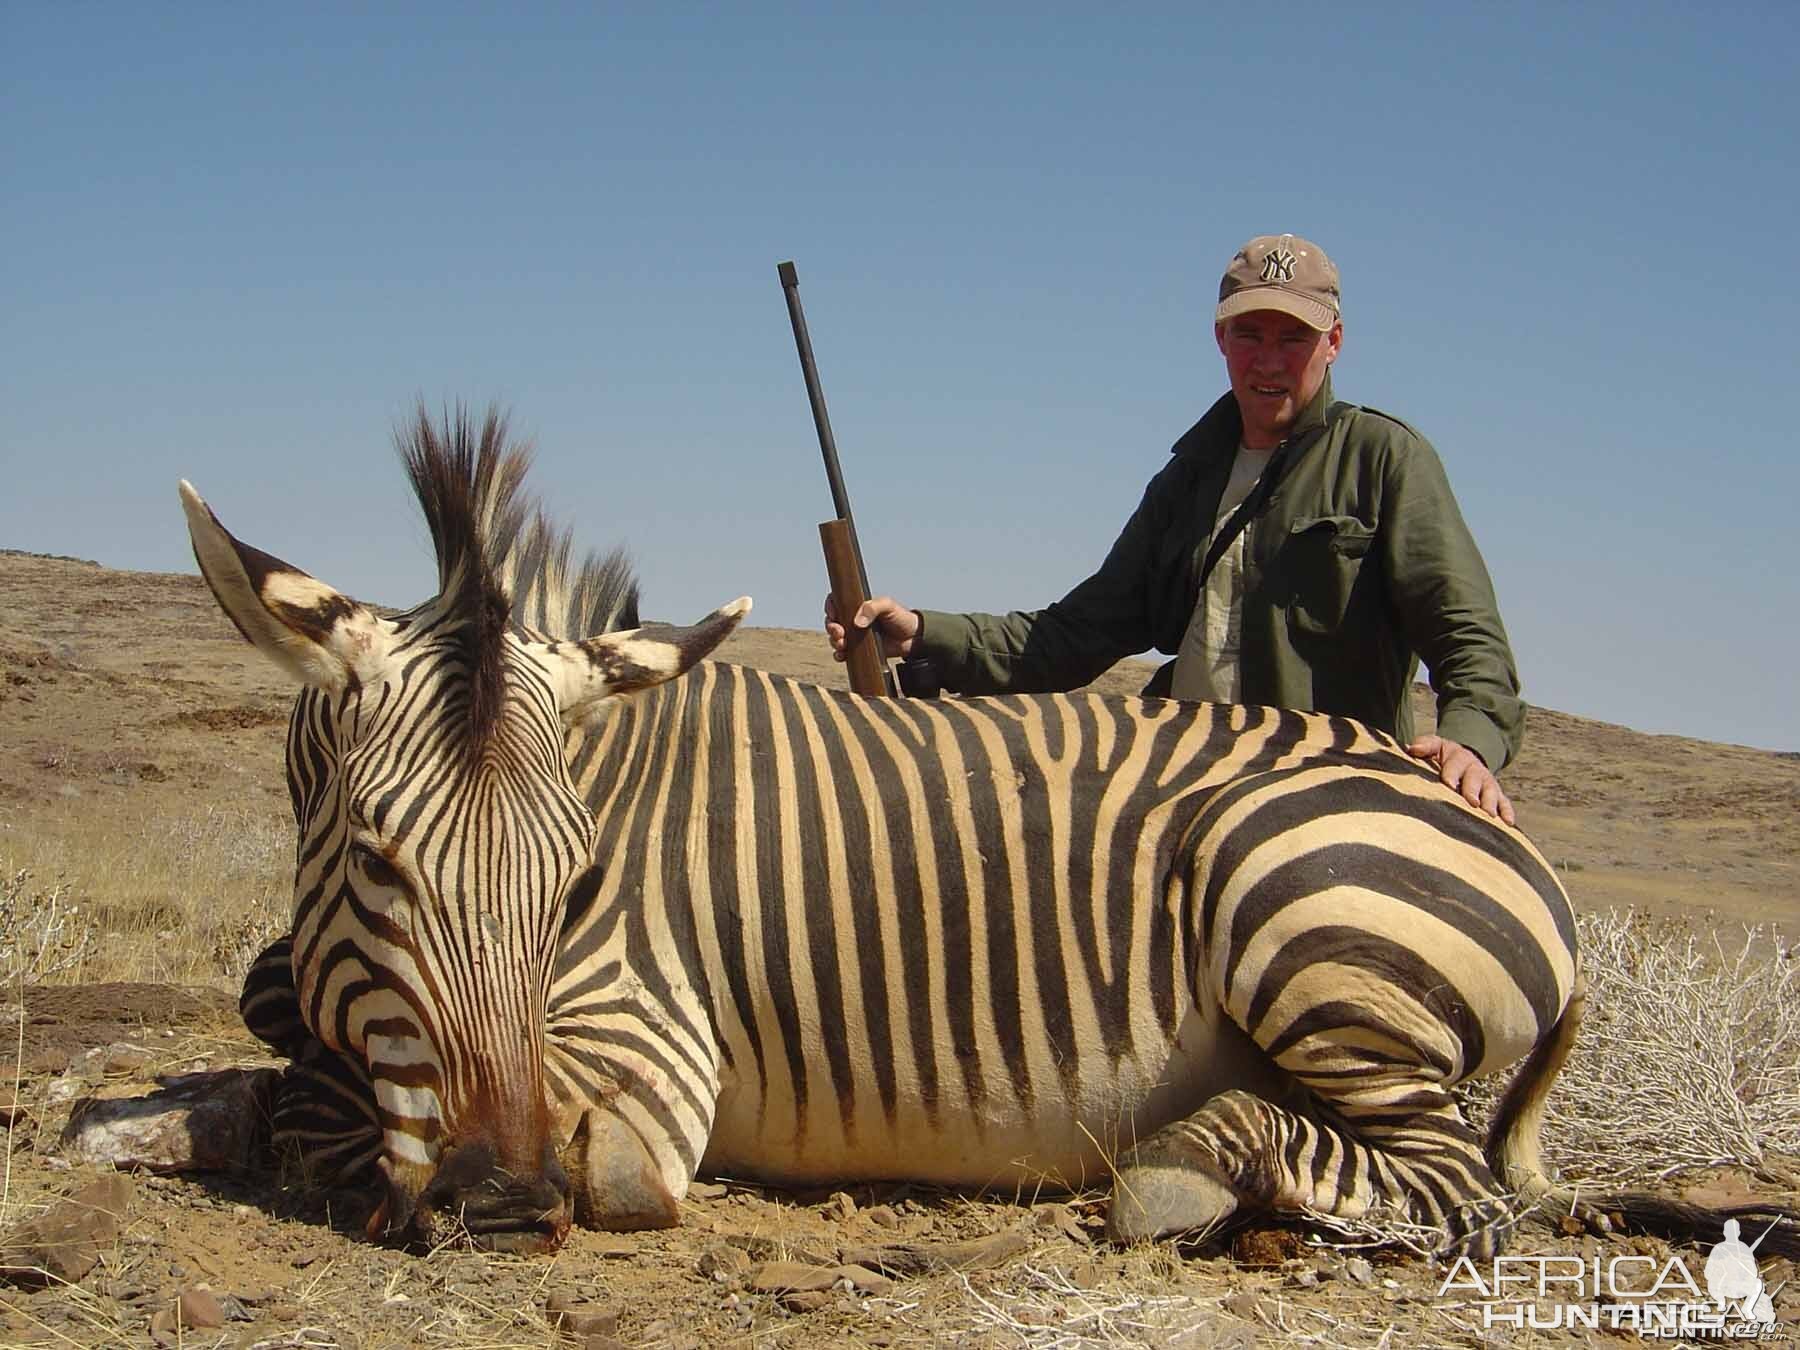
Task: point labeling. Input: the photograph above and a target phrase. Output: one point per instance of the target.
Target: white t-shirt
(1206, 667)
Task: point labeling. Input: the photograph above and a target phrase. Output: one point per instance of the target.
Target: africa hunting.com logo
(1625, 1293)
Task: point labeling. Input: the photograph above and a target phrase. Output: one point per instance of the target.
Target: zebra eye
(375, 867)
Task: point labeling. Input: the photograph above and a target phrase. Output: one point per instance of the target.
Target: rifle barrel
(815, 395)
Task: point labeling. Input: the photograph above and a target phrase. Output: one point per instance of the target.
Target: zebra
(580, 915)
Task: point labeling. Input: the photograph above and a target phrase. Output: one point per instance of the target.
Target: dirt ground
(141, 782)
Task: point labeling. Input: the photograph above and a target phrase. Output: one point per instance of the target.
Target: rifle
(869, 672)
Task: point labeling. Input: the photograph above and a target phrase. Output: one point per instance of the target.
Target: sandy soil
(127, 701)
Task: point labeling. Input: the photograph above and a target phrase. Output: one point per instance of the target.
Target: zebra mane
(499, 558)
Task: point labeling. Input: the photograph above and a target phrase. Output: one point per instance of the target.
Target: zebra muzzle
(473, 1197)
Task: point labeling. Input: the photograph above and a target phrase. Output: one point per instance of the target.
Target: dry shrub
(1689, 1054)
(180, 900)
(42, 932)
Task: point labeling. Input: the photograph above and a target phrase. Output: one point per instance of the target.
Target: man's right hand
(897, 625)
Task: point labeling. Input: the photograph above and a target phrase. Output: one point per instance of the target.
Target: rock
(863, 1280)
(204, 1122)
(121, 1057)
(906, 1259)
(840, 1206)
(582, 1321)
(1063, 1220)
(805, 1301)
(66, 1089)
(882, 1215)
(1358, 1271)
(199, 1309)
(724, 1262)
(707, 1190)
(791, 1277)
(64, 1243)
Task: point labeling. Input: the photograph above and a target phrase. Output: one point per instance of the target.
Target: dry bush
(42, 932)
(1689, 1054)
(179, 900)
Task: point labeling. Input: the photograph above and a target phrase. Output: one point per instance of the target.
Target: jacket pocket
(1323, 559)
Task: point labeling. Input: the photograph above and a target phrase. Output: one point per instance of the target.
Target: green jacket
(1358, 565)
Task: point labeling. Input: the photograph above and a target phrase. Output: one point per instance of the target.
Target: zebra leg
(324, 1118)
(1241, 1153)
(269, 1003)
(615, 1183)
(323, 1114)
(1376, 1126)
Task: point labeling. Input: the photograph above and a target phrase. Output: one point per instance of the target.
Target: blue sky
(240, 241)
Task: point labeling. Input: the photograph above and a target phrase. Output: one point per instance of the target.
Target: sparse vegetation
(1690, 1052)
(144, 836)
(188, 900)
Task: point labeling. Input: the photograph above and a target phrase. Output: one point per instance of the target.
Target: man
(1295, 552)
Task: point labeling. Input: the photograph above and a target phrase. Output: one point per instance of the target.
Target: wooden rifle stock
(862, 646)
(869, 674)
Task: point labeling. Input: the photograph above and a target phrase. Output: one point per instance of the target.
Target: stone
(882, 1215)
(582, 1321)
(906, 1259)
(64, 1243)
(805, 1300)
(1064, 1220)
(203, 1122)
(199, 1309)
(1358, 1271)
(791, 1277)
(121, 1057)
(723, 1262)
(839, 1206)
(863, 1280)
(707, 1190)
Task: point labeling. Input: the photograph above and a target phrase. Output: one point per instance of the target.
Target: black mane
(499, 558)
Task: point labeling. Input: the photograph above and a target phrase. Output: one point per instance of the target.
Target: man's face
(1276, 363)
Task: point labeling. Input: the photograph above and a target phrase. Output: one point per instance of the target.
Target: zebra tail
(1513, 1147)
(1514, 1155)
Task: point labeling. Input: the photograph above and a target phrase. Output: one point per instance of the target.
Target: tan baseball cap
(1282, 272)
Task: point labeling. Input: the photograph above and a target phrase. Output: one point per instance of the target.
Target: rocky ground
(142, 834)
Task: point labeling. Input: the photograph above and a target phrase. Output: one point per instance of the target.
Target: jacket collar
(1223, 425)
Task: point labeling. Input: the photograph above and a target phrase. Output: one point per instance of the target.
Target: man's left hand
(1463, 771)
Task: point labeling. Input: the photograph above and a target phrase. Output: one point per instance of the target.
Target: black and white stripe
(1234, 958)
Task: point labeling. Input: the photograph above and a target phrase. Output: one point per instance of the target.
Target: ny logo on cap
(1278, 265)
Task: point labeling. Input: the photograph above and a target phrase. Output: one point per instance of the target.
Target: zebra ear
(319, 636)
(590, 672)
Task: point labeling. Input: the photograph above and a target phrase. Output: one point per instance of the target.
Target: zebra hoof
(1478, 1230)
(618, 1187)
(1161, 1200)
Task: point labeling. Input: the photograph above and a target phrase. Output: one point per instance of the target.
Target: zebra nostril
(471, 1195)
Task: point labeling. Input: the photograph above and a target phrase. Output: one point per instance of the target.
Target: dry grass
(179, 900)
(1689, 1055)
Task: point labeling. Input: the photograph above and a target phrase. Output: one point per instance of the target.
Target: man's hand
(896, 624)
(1462, 771)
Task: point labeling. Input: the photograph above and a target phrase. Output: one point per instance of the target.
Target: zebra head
(440, 833)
